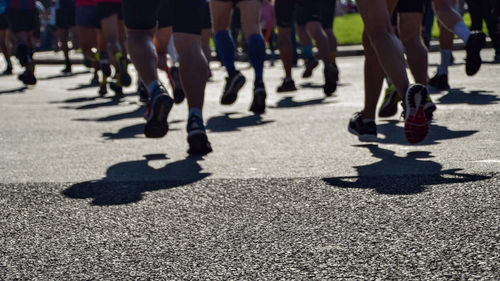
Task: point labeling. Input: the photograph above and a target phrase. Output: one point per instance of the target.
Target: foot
(197, 137)
(429, 108)
(288, 85)
(176, 85)
(105, 67)
(28, 76)
(258, 105)
(233, 84)
(117, 89)
(125, 78)
(310, 64)
(473, 48)
(103, 90)
(365, 130)
(331, 78)
(67, 69)
(389, 106)
(157, 111)
(416, 124)
(440, 82)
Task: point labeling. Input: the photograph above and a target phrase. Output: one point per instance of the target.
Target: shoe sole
(231, 95)
(363, 138)
(198, 143)
(156, 125)
(416, 124)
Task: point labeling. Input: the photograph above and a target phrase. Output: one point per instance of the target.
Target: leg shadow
(16, 90)
(225, 123)
(475, 97)
(288, 102)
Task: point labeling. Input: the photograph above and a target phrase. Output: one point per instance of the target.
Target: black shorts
(22, 19)
(187, 16)
(410, 6)
(207, 18)
(4, 24)
(328, 13)
(65, 18)
(165, 13)
(307, 11)
(107, 9)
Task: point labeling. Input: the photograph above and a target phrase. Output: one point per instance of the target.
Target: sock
(225, 48)
(307, 51)
(257, 54)
(462, 31)
(333, 56)
(195, 112)
(152, 87)
(445, 62)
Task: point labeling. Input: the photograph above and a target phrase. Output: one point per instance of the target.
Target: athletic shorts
(107, 9)
(4, 24)
(308, 11)
(22, 19)
(65, 18)
(328, 13)
(87, 16)
(187, 16)
(165, 13)
(410, 6)
(207, 19)
(234, 1)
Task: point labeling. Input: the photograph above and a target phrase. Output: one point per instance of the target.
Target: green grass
(349, 28)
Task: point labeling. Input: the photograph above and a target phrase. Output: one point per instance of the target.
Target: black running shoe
(258, 105)
(365, 131)
(310, 64)
(125, 78)
(157, 112)
(28, 76)
(439, 82)
(473, 48)
(95, 80)
(288, 85)
(103, 90)
(233, 84)
(7, 71)
(177, 85)
(331, 73)
(389, 106)
(143, 93)
(67, 69)
(117, 89)
(197, 137)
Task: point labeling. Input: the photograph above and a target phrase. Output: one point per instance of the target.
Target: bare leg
(410, 25)
(285, 48)
(143, 54)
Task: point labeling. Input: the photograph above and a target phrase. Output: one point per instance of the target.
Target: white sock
(152, 86)
(445, 62)
(195, 112)
(462, 31)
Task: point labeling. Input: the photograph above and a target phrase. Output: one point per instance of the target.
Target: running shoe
(473, 48)
(331, 78)
(95, 80)
(429, 108)
(440, 82)
(366, 131)
(143, 93)
(67, 69)
(103, 90)
(416, 124)
(288, 85)
(233, 84)
(117, 89)
(177, 85)
(310, 64)
(28, 76)
(389, 106)
(125, 78)
(157, 111)
(258, 105)
(197, 137)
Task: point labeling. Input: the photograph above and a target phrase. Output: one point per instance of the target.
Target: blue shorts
(88, 16)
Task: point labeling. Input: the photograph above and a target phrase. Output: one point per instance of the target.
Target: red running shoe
(416, 124)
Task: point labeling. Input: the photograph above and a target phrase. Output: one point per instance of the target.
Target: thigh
(312, 10)
(141, 14)
(284, 13)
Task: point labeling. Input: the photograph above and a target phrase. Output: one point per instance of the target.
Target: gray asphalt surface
(289, 195)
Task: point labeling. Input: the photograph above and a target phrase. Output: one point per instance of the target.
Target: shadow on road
(225, 123)
(63, 75)
(134, 131)
(475, 97)
(139, 112)
(15, 90)
(126, 182)
(83, 86)
(401, 175)
(288, 102)
(395, 134)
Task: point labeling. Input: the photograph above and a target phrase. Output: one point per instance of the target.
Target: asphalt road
(288, 195)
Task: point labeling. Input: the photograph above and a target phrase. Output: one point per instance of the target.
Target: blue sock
(225, 48)
(152, 88)
(257, 54)
(307, 50)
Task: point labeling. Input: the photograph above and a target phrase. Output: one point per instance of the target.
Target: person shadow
(397, 175)
(15, 90)
(127, 182)
(288, 102)
(226, 123)
(475, 97)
